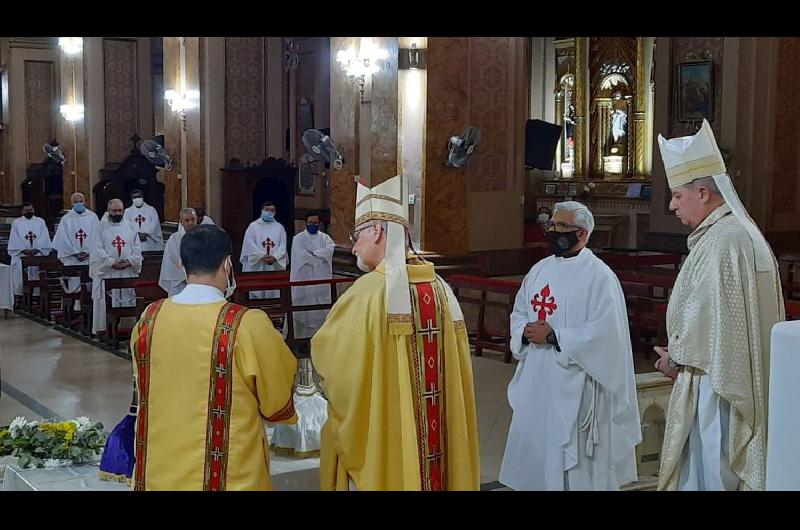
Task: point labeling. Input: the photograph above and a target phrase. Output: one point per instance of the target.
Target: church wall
(310, 83)
(213, 89)
(444, 226)
(366, 134)
(6, 191)
(670, 52)
(344, 111)
(245, 99)
(381, 117)
(127, 90)
(31, 114)
(172, 131)
(499, 108)
(784, 221)
(477, 82)
(756, 109)
(73, 137)
(196, 182)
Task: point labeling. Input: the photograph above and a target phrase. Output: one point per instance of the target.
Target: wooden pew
(289, 308)
(792, 309)
(147, 292)
(483, 338)
(47, 282)
(621, 261)
(646, 317)
(81, 272)
(115, 314)
(148, 277)
(247, 282)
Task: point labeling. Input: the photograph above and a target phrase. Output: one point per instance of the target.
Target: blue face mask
(79, 207)
(312, 229)
(267, 216)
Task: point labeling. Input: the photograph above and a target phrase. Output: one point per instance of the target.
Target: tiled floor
(46, 373)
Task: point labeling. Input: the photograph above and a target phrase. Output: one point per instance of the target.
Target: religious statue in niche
(619, 120)
(569, 125)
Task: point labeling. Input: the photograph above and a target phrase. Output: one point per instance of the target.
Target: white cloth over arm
(312, 259)
(146, 221)
(26, 234)
(172, 277)
(113, 242)
(576, 421)
(262, 239)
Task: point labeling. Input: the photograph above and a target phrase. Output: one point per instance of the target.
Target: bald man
(115, 253)
(74, 237)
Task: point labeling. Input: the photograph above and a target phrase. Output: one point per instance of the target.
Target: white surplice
(264, 239)
(145, 219)
(113, 242)
(312, 259)
(172, 277)
(26, 234)
(73, 236)
(575, 421)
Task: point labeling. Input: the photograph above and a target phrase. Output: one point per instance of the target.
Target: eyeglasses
(354, 235)
(549, 225)
(353, 238)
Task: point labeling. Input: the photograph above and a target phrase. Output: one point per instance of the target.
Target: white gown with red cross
(73, 236)
(264, 239)
(113, 242)
(575, 422)
(26, 234)
(146, 221)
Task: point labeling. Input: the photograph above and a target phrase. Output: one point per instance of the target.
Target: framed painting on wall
(696, 91)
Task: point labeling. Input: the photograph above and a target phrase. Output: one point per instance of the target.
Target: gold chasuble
(207, 376)
(401, 408)
(395, 365)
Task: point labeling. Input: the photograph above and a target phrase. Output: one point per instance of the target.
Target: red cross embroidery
(268, 244)
(30, 237)
(118, 243)
(139, 219)
(544, 303)
(80, 235)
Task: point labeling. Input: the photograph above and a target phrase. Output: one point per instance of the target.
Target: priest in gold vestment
(725, 301)
(395, 366)
(208, 373)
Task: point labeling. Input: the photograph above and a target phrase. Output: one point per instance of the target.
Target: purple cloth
(118, 456)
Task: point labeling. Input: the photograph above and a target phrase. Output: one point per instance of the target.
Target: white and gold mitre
(688, 158)
(383, 202)
(386, 202)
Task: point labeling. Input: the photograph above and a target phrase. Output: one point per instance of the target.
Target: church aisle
(45, 373)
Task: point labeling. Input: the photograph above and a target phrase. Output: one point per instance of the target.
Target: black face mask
(115, 218)
(562, 242)
(28, 215)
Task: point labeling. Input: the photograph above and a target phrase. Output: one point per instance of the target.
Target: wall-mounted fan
(154, 152)
(321, 147)
(460, 147)
(53, 152)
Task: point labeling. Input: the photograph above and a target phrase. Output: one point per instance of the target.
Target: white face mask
(138, 202)
(231, 285)
(543, 217)
(363, 267)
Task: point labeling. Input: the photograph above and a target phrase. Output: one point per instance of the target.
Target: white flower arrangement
(52, 444)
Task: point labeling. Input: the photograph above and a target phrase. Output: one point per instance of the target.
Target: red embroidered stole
(427, 353)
